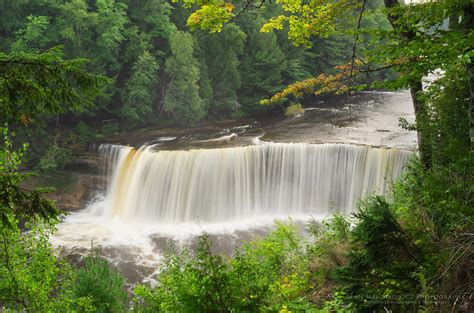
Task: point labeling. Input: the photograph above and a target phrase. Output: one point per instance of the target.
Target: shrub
(33, 278)
(109, 128)
(84, 133)
(268, 274)
(188, 283)
(294, 110)
(382, 260)
(435, 207)
(271, 273)
(55, 158)
(327, 251)
(102, 284)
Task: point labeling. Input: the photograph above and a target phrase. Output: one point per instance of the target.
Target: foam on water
(179, 194)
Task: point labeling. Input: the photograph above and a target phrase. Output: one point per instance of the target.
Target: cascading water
(155, 199)
(231, 184)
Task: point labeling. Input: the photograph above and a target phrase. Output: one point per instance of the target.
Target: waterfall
(229, 184)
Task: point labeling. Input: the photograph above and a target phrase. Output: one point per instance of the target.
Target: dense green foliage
(34, 84)
(14, 199)
(182, 99)
(410, 251)
(130, 42)
(266, 274)
(103, 285)
(137, 95)
(154, 76)
(31, 276)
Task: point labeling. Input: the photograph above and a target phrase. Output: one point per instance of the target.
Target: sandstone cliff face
(84, 187)
(75, 185)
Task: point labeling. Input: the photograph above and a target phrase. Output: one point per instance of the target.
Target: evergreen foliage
(128, 40)
(221, 52)
(34, 84)
(411, 251)
(182, 100)
(16, 202)
(32, 278)
(139, 93)
(100, 283)
(262, 67)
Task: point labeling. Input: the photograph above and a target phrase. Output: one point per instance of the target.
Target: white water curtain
(215, 185)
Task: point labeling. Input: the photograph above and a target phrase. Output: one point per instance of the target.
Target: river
(232, 179)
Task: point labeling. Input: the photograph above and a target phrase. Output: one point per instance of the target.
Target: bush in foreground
(400, 255)
(102, 284)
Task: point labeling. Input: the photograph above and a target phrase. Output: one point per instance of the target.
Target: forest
(158, 70)
(74, 72)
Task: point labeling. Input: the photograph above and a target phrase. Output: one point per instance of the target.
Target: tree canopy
(424, 39)
(34, 84)
(409, 251)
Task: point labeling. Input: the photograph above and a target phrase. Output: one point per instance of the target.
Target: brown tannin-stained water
(235, 181)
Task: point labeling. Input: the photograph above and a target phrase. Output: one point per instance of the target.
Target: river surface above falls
(367, 118)
(183, 181)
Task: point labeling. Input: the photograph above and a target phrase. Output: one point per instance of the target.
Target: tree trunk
(424, 145)
(470, 76)
(468, 26)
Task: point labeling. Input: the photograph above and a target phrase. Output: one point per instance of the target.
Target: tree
(182, 100)
(103, 285)
(114, 34)
(262, 66)
(32, 37)
(205, 84)
(75, 24)
(221, 53)
(34, 84)
(416, 45)
(112, 19)
(152, 17)
(139, 94)
(32, 278)
(426, 50)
